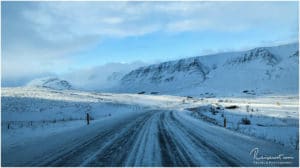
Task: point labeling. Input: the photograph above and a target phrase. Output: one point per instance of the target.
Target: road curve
(163, 138)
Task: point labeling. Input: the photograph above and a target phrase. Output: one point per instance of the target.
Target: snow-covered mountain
(261, 70)
(50, 82)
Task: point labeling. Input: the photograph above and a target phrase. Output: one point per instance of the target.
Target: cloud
(101, 77)
(68, 20)
(43, 36)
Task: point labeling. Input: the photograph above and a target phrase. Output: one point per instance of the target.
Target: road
(152, 138)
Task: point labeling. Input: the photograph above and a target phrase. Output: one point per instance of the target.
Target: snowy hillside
(50, 82)
(261, 70)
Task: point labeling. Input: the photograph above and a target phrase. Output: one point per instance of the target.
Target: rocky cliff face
(262, 55)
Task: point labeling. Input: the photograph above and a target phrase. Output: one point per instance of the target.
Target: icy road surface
(151, 138)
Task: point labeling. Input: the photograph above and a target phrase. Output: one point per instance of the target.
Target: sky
(63, 38)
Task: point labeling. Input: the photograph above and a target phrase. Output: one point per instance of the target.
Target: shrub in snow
(246, 121)
(213, 110)
(232, 107)
(248, 108)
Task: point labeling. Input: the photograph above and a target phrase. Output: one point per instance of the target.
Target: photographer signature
(256, 156)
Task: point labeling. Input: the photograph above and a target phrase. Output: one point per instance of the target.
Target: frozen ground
(43, 127)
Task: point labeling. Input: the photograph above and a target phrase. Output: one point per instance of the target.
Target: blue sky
(45, 38)
(160, 47)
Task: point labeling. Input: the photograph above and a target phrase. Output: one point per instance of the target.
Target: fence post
(224, 122)
(88, 118)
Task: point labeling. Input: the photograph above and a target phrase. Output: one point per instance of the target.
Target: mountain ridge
(196, 72)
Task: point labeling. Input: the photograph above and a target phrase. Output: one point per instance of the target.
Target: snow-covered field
(34, 109)
(273, 118)
(30, 113)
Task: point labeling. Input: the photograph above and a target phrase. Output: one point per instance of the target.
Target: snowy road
(151, 138)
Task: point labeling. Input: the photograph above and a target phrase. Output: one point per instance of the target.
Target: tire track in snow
(146, 150)
(219, 157)
(173, 152)
(182, 148)
(81, 153)
(115, 154)
(154, 138)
